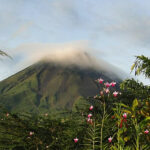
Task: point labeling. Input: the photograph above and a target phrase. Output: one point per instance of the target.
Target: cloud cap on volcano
(74, 53)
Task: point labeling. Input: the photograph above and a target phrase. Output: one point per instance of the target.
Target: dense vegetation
(112, 120)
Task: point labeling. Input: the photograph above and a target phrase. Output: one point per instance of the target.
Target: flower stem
(94, 137)
(102, 127)
(137, 136)
(118, 134)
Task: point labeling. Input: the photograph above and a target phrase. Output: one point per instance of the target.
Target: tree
(141, 65)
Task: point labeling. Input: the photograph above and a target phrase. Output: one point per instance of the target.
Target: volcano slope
(49, 87)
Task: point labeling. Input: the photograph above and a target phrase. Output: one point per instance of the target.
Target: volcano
(50, 87)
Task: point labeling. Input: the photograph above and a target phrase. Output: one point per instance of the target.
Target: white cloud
(77, 53)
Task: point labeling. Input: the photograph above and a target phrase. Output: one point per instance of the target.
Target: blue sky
(113, 30)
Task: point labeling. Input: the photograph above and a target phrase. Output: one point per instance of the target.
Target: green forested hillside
(48, 87)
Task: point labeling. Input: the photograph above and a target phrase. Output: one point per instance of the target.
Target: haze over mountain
(77, 53)
(55, 83)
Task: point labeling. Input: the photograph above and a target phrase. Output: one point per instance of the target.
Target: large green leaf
(135, 104)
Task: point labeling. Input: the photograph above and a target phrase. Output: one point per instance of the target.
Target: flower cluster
(106, 90)
(89, 120)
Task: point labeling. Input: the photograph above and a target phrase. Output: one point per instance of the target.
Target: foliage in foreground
(38, 132)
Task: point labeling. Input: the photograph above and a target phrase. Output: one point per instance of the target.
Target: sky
(114, 31)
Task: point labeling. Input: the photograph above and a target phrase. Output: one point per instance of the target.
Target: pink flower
(100, 80)
(115, 94)
(113, 84)
(76, 140)
(31, 133)
(110, 139)
(89, 115)
(7, 114)
(125, 115)
(107, 90)
(107, 84)
(146, 131)
(89, 121)
(91, 107)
